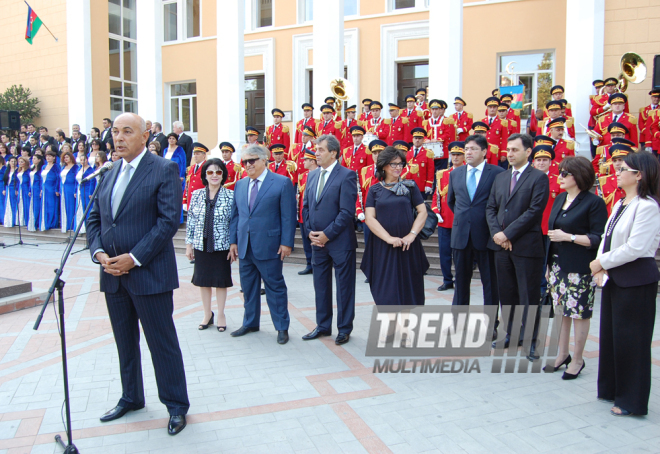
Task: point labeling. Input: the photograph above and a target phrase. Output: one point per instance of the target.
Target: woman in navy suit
(69, 187)
(177, 154)
(50, 193)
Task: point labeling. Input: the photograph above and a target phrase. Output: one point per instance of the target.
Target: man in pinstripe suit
(130, 236)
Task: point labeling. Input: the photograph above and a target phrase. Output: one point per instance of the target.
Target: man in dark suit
(76, 128)
(261, 232)
(328, 213)
(75, 138)
(130, 231)
(106, 135)
(467, 196)
(157, 131)
(185, 141)
(514, 212)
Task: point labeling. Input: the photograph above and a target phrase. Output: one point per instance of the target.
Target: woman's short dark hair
(70, 155)
(175, 135)
(78, 150)
(52, 153)
(479, 140)
(2, 161)
(649, 185)
(582, 170)
(97, 142)
(214, 162)
(156, 145)
(386, 156)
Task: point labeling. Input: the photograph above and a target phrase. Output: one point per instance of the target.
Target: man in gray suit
(130, 230)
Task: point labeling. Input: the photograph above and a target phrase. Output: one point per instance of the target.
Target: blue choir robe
(50, 200)
(3, 199)
(34, 220)
(68, 190)
(24, 197)
(11, 200)
(85, 191)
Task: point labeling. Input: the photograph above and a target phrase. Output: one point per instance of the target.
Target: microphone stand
(20, 237)
(58, 284)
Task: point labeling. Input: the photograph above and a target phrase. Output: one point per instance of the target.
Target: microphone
(107, 166)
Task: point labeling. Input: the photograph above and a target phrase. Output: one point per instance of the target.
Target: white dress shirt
(480, 170)
(328, 171)
(520, 171)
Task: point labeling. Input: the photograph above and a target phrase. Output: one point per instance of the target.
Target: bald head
(130, 135)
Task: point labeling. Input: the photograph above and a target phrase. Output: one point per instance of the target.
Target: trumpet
(593, 134)
(342, 90)
(633, 71)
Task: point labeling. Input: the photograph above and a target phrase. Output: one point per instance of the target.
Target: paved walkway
(253, 395)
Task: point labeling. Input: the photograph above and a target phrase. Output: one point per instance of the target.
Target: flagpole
(42, 23)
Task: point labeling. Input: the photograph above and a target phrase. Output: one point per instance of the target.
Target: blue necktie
(472, 183)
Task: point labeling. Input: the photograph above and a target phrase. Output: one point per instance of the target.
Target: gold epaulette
(591, 97)
(602, 181)
(285, 129)
(514, 123)
(337, 124)
(237, 168)
(301, 188)
(364, 172)
(448, 121)
(430, 154)
(362, 123)
(505, 123)
(469, 115)
(600, 150)
(569, 122)
(404, 120)
(387, 121)
(516, 112)
(568, 105)
(494, 149)
(570, 145)
(291, 166)
(438, 177)
(425, 123)
(641, 109)
(633, 120)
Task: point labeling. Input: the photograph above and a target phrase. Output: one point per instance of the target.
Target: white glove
(442, 154)
(649, 149)
(606, 106)
(361, 217)
(595, 141)
(428, 189)
(185, 207)
(440, 219)
(460, 130)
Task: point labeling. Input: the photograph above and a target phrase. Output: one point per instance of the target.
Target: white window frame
(168, 111)
(121, 38)
(419, 5)
(302, 12)
(181, 21)
(252, 16)
(502, 71)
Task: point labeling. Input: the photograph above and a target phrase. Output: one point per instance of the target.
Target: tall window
(183, 106)
(264, 13)
(535, 71)
(181, 19)
(350, 9)
(122, 56)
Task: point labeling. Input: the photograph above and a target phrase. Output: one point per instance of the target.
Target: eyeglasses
(397, 165)
(250, 161)
(565, 173)
(625, 169)
(211, 172)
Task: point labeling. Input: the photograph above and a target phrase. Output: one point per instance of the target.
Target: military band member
(309, 164)
(414, 119)
(194, 173)
(502, 111)
(420, 106)
(336, 116)
(535, 119)
(617, 101)
(277, 133)
(445, 214)
(570, 121)
(298, 150)
(376, 125)
(549, 141)
(328, 125)
(367, 178)
(609, 187)
(553, 108)
(398, 125)
(308, 119)
(498, 132)
(602, 162)
(544, 156)
(280, 165)
(252, 135)
(420, 166)
(481, 129)
(346, 125)
(557, 93)
(512, 115)
(365, 115)
(234, 170)
(563, 148)
(645, 139)
(462, 119)
(440, 129)
(355, 157)
(654, 130)
(607, 167)
(593, 104)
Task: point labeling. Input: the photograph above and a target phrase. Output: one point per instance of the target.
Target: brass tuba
(342, 90)
(633, 71)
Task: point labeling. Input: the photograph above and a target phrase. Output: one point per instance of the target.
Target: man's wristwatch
(572, 238)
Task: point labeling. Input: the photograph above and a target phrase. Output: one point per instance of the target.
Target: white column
(446, 60)
(328, 38)
(231, 78)
(79, 56)
(149, 14)
(585, 34)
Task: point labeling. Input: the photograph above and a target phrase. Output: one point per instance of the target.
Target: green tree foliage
(21, 99)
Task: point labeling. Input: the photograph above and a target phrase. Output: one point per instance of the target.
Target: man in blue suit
(328, 213)
(261, 231)
(130, 230)
(467, 196)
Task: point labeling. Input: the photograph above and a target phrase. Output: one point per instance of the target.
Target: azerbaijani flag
(33, 25)
(518, 93)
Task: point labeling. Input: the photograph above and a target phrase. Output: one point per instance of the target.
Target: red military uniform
(654, 134)
(564, 149)
(285, 168)
(441, 129)
(598, 103)
(379, 127)
(568, 112)
(646, 116)
(462, 120)
(301, 125)
(570, 126)
(441, 207)
(602, 160)
(356, 160)
(497, 135)
(423, 110)
(414, 121)
(193, 182)
(629, 121)
(297, 155)
(329, 127)
(555, 190)
(420, 168)
(398, 129)
(367, 179)
(513, 117)
(346, 137)
(234, 173)
(278, 134)
(611, 192)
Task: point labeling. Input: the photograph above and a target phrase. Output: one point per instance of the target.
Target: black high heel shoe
(568, 376)
(203, 327)
(566, 362)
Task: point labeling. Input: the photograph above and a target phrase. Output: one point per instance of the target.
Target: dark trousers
(519, 279)
(544, 281)
(439, 164)
(252, 271)
(627, 317)
(463, 261)
(154, 313)
(343, 262)
(444, 247)
(592, 147)
(307, 244)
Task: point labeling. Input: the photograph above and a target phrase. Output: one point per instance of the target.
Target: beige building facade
(168, 59)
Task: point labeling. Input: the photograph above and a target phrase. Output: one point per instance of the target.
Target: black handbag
(431, 218)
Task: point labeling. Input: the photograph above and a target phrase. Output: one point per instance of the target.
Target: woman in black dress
(207, 238)
(394, 261)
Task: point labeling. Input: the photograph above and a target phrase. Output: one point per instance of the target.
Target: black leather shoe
(117, 413)
(307, 270)
(342, 338)
(192, 262)
(568, 376)
(177, 424)
(444, 287)
(282, 337)
(243, 330)
(263, 291)
(315, 334)
(533, 356)
(366, 281)
(566, 362)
